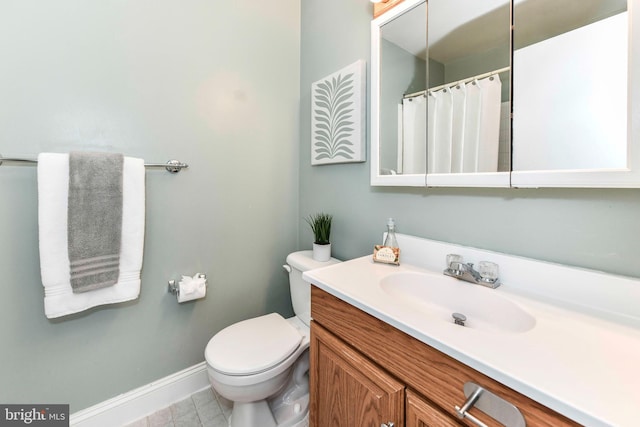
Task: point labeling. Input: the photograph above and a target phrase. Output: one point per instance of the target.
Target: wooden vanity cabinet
(421, 413)
(365, 372)
(350, 390)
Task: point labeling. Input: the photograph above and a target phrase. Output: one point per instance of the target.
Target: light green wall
(214, 84)
(596, 229)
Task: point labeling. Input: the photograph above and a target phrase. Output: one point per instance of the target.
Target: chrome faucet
(487, 276)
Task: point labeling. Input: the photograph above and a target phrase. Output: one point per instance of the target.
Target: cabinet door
(421, 413)
(348, 390)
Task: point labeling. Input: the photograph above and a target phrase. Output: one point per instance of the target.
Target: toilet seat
(252, 346)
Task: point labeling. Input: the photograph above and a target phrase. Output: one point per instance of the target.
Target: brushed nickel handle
(494, 406)
(389, 424)
(471, 400)
(468, 416)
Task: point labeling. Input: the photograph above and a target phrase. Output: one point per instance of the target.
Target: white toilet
(262, 364)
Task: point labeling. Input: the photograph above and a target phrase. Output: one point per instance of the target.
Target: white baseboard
(135, 404)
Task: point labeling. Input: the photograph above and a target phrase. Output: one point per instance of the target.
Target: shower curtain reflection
(465, 126)
(412, 156)
(453, 129)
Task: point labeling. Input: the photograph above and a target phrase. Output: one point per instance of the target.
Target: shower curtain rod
(173, 166)
(468, 79)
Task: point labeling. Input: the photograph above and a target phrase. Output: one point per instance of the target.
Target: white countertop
(581, 365)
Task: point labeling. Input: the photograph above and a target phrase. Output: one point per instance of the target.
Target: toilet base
(304, 422)
(290, 405)
(290, 414)
(252, 414)
(294, 413)
(287, 408)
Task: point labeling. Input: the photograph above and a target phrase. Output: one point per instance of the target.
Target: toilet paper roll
(191, 288)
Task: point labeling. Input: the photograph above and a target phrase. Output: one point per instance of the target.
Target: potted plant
(321, 226)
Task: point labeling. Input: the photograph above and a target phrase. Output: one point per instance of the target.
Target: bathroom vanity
(554, 345)
(418, 386)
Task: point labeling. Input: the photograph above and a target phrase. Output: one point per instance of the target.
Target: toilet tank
(299, 262)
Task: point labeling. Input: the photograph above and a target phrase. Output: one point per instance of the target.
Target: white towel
(53, 188)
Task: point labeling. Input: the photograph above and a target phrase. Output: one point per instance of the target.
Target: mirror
(441, 116)
(573, 94)
(399, 68)
(571, 62)
(469, 96)
(402, 85)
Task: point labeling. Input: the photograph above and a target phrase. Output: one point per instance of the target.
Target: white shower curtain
(432, 112)
(464, 126)
(414, 135)
(458, 94)
(473, 104)
(442, 131)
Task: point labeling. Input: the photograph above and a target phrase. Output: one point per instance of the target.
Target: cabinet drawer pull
(471, 400)
(389, 424)
(468, 416)
(492, 405)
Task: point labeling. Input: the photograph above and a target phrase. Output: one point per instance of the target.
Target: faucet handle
(488, 271)
(454, 258)
(460, 267)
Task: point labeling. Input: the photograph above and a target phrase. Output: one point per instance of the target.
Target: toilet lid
(253, 345)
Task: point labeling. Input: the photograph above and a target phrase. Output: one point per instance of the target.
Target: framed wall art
(338, 120)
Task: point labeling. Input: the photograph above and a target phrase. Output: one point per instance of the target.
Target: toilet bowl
(261, 364)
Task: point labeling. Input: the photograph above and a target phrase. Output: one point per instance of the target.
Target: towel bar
(173, 166)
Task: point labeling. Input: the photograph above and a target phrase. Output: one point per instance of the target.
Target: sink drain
(459, 318)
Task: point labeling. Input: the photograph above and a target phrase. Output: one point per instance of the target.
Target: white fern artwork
(338, 116)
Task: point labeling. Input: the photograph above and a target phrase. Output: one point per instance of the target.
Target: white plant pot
(321, 253)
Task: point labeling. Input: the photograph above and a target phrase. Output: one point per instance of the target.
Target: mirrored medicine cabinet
(506, 93)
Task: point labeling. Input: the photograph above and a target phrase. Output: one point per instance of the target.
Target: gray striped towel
(94, 219)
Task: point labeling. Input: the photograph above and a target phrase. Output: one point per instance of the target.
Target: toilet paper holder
(174, 288)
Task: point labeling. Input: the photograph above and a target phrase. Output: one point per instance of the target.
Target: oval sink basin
(441, 296)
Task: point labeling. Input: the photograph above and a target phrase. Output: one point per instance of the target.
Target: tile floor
(202, 409)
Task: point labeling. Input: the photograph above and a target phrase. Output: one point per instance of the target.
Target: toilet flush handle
(287, 267)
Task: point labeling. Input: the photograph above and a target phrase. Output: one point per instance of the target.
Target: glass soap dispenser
(391, 241)
(389, 252)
